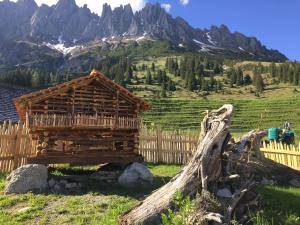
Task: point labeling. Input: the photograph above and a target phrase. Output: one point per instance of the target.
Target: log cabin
(88, 120)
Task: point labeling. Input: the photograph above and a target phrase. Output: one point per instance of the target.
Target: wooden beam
(111, 157)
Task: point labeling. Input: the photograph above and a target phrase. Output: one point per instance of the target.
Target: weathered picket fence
(155, 145)
(288, 155)
(166, 147)
(15, 146)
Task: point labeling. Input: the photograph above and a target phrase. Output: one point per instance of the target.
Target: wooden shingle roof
(22, 101)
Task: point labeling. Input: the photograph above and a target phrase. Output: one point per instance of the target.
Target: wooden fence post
(159, 144)
(16, 145)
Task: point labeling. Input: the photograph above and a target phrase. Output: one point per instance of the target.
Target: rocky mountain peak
(71, 24)
(28, 3)
(66, 3)
(106, 10)
(128, 9)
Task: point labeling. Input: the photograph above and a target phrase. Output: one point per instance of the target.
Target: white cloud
(166, 6)
(96, 5)
(184, 2)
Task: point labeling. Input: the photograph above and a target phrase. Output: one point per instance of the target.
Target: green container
(273, 134)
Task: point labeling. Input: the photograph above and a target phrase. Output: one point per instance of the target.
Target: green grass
(97, 203)
(282, 206)
(186, 114)
(101, 203)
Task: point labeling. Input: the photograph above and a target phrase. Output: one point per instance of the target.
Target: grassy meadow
(102, 203)
(96, 203)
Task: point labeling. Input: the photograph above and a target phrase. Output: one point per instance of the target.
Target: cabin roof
(21, 102)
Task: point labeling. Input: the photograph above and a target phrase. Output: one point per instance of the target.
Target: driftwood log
(204, 167)
(219, 163)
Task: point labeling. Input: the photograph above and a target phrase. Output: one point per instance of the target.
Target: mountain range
(65, 29)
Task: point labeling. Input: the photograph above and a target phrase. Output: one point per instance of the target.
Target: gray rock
(28, 178)
(57, 188)
(71, 185)
(295, 182)
(264, 181)
(224, 193)
(51, 183)
(63, 182)
(135, 175)
(104, 176)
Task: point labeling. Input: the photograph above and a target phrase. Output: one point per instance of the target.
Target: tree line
(193, 69)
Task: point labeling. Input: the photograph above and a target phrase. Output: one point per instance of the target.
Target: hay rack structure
(88, 120)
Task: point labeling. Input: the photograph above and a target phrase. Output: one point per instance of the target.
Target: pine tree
(159, 77)
(148, 77)
(191, 83)
(259, 83)
(204, 85)
(163, 90)
(167, 63)
(35, 79)
(217, 69)
(153, 67)
(200, 70)
(171, 86)
(273, 69)
(247, 79)
(212, 81)
(164, 76)
(239, 77)
(233, 77)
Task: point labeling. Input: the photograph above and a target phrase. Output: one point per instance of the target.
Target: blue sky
(276, 23)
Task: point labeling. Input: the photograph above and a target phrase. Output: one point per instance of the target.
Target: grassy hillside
(182, 109)
(273, 88)
(186, 114)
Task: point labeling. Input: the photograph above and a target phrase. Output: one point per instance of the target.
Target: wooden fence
(55, 120)
(288, 155)
(15, 146)
(166, 147)
(155, 145)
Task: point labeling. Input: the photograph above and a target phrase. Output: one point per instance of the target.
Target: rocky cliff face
(67, 23)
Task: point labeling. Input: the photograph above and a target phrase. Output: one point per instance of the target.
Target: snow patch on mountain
(140, 38)
(209, 38)
(198, 42)
(240, 48)
(61, 48)
(206, 47)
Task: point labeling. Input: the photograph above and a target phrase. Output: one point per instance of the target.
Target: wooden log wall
(85, 142)
(91, 99)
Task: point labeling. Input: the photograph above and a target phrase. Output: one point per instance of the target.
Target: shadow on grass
(97, 187)
(282, 204)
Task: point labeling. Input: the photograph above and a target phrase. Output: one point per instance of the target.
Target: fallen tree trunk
(220, 167)
(204, 167)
